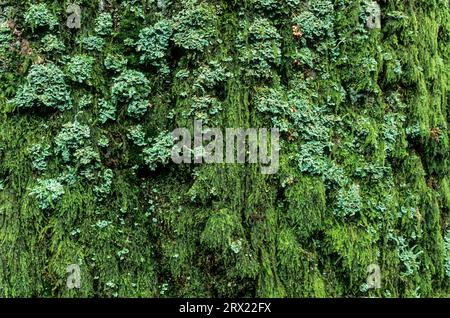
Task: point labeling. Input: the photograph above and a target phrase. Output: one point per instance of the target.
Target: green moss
(85, 170)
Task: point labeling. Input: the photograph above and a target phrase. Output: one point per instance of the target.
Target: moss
(363, 175)
(306, 206)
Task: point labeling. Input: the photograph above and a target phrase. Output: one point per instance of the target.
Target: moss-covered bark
(85, 176)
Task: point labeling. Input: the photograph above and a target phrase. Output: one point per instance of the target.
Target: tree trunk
(92, 202)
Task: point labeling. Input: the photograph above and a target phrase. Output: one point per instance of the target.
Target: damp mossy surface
(85, 170)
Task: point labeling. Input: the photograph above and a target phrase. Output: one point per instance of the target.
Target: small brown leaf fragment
(435, 133)
(39, 60)
(25, 48)
(432, 183)
(419, 216)
(296, 32)
(290, 136)
(10, 24)
(17, 33)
